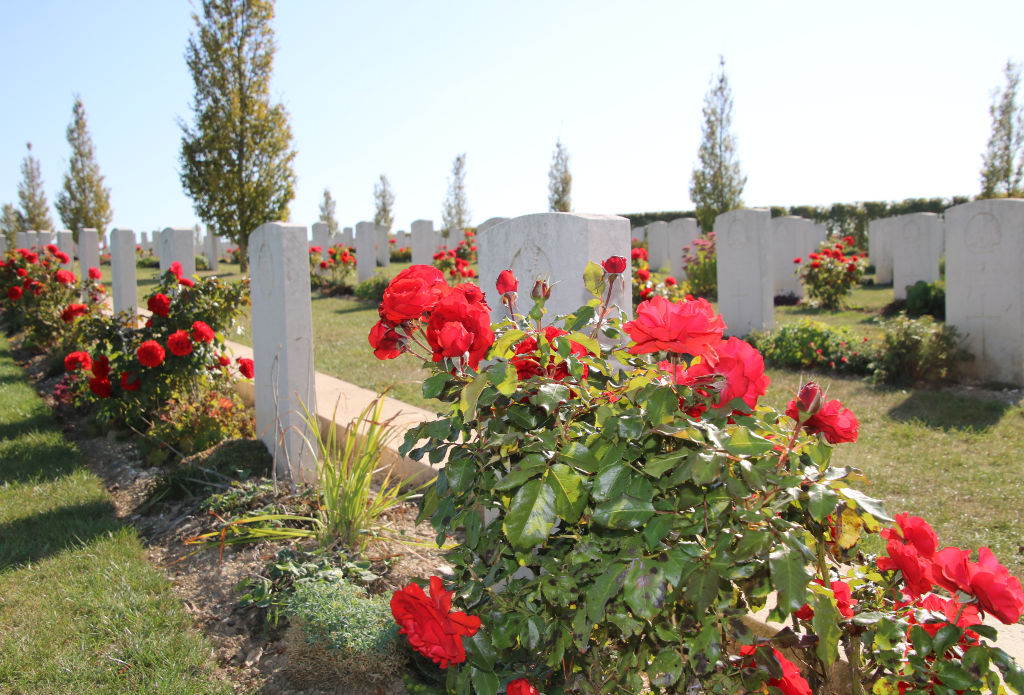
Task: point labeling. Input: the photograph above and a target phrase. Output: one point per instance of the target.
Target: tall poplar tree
(35, 211)
(327, 212)
(10, 223)
(236, 157)
(1002, 170)
(716, 185)
(559, 180)
(384, 200)
(84, 202)
(455, 213)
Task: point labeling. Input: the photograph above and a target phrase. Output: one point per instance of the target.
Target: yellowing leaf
(850, 526)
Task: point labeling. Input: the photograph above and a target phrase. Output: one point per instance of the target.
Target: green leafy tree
(327, 212)
(559, 180)
(716, 185)
(384, 199)
(455, 214)
(35, 211)
(10, 222)
(1003, 162)
(236, 158)
(84, 202)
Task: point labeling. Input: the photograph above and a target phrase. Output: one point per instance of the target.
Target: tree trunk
(243, 255)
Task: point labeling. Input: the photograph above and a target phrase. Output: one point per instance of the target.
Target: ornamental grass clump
(626, 501)
(829, 275)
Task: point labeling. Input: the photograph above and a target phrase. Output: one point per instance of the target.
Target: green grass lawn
(81, 609)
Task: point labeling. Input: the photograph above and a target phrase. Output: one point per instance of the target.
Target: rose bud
(809, 400)
(614, 265)
(507, 282)
(541, 290)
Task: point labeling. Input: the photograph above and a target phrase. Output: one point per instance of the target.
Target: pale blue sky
(833, 101)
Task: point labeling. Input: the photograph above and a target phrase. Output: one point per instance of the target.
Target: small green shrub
(372, 289)
(829, 275)
(813, 344)
(193, 423)
(147, 262)
(701, 265)
(915, 350)
(341, 636)
(927, 298)
(202, 263)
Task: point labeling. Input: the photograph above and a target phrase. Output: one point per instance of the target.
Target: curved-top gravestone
(916, 242)
(681, 233)
(657, 245)
(792, 237)
(744, 248)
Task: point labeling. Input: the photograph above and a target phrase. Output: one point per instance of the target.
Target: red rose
(507, 283)
(472, 293)
(521, 686)
(224, 361)
(852, 268)
(614, 265)
(387, 344)
(689, 327)
(916, 569)
(430, 625)
(77, 360)
(186, 282)
(101, 367)
(743, 369)
(639, 253)
(459, 327)
(176, 270)
(94, 274)
(791, 683)
(843, 596)
(150, 354)
(129, 381)
(837, 423)
(159, 304)
(810, 398)
(670, 281)
(179, 343)
(950, 569)
(413, 292)
(65, 277)
(315, 249)
(63, 257)
(798, 260)
(14, 293)
(22, 272)
(73, 311)
(815, 264)
(527, 362)
(951, 612)
(246, 367)
(643, 274)
(201, 332)
(915, 531)
(100, 387)
(848, 240)
(998, 593)
(323, 265)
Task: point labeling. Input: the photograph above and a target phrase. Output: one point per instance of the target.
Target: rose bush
(829, 275)
(618, 523)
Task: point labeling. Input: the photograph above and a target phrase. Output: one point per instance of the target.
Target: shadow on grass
(949, 411)
(27, 461)
(41, 535)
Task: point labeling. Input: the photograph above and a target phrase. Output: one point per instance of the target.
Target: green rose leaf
(624, 512)
(645, 589)
(869, 504)
(743, 442)
(603, 589)
(550, 396)
(434, 385)
(593, 279)
(485, 682)
(527, 468)
(470, 395)
(662, 406)
(826, 627)
(611, 481)
(823, 501)
(504, 378)
(702, 587)
(706, 468)
(666, 668)
(657, 465)
(789, 578)
(577, 454)
(570, 497)
(505, 342)
(586, 341)
(530, 516)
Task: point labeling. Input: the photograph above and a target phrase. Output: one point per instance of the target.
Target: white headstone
(402, 239)
(383, 248)
(321, 237)
(744, 248)
(916, 246)
(66, 243)
(792, 237)
(424, 242)
(681, 233)
(211, 249)
(985, 286)
(180, 245)
(880, 249)
(144, 241)
(33, 241)
(366, 250)
(487, 224)
(21, 240)
(657, 245)
(88, 252)
(123, 286)
(556, 246)
(44, 238)
(282, 339)
(163, 250)
(638, 234)
(347, 237)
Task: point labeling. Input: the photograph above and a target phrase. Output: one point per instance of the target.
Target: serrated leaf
(629, 426)
(549, 396)
(826, 627)
(662, 406)
(528, 467)
(789, 578)
(577, 454)
(611, 481)
(485, 682)
(570, 497)
(645, 589)
(869, 504)
(656, 529)
(702, 587)
(503, 344)
(586, 341)
(657, 465)
(666, 668)
(504, 377)
(434, 385)
(531, 515)
(822, 501)
(604, 588)
(470, 395)
(625, 512)
(593, 279)
(581, 318)
(743, 442)
(706, 468)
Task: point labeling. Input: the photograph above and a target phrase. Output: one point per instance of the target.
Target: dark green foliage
(35, 211)
(642, 219)
(917, 350)
(559, 181)
(927, 298)
(84, 202)
(809, 344)
(372, 289)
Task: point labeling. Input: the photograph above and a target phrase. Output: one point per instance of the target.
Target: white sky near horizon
(834, 102)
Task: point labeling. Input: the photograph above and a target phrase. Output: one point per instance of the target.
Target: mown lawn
(81, 610)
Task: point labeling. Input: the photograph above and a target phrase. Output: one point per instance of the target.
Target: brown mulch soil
(249, 652)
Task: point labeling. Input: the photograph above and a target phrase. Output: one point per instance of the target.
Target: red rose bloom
(387, 344)
(201, 332)
(150, 354)
(670, 281)
(916, 569)
(815, 264)
(915, 531)
(100, 387)
(186, 282)
(176, 269)
(459, 327)
(798, 260)
(614, 265)
(837, 423)
(224, 361)
(63, 257)
(77, 360)
(323, 265)
(521, 686)
(101, 367)
(73, 311)
(791, 683)
(159, 304)
(527, 362)
(950, 569)
(413, 292)
(643, 274)
(315, 249)
(65, 277)
(998, 593)
(179, 343)
(743, 369)
(430, 625)
(246, 367)
(472, 293)
(94, 274)
(843, 596)
(129, 381)
(639, 253)
(689, 327)
(507, 282)
(14, 293)
(848, 240)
